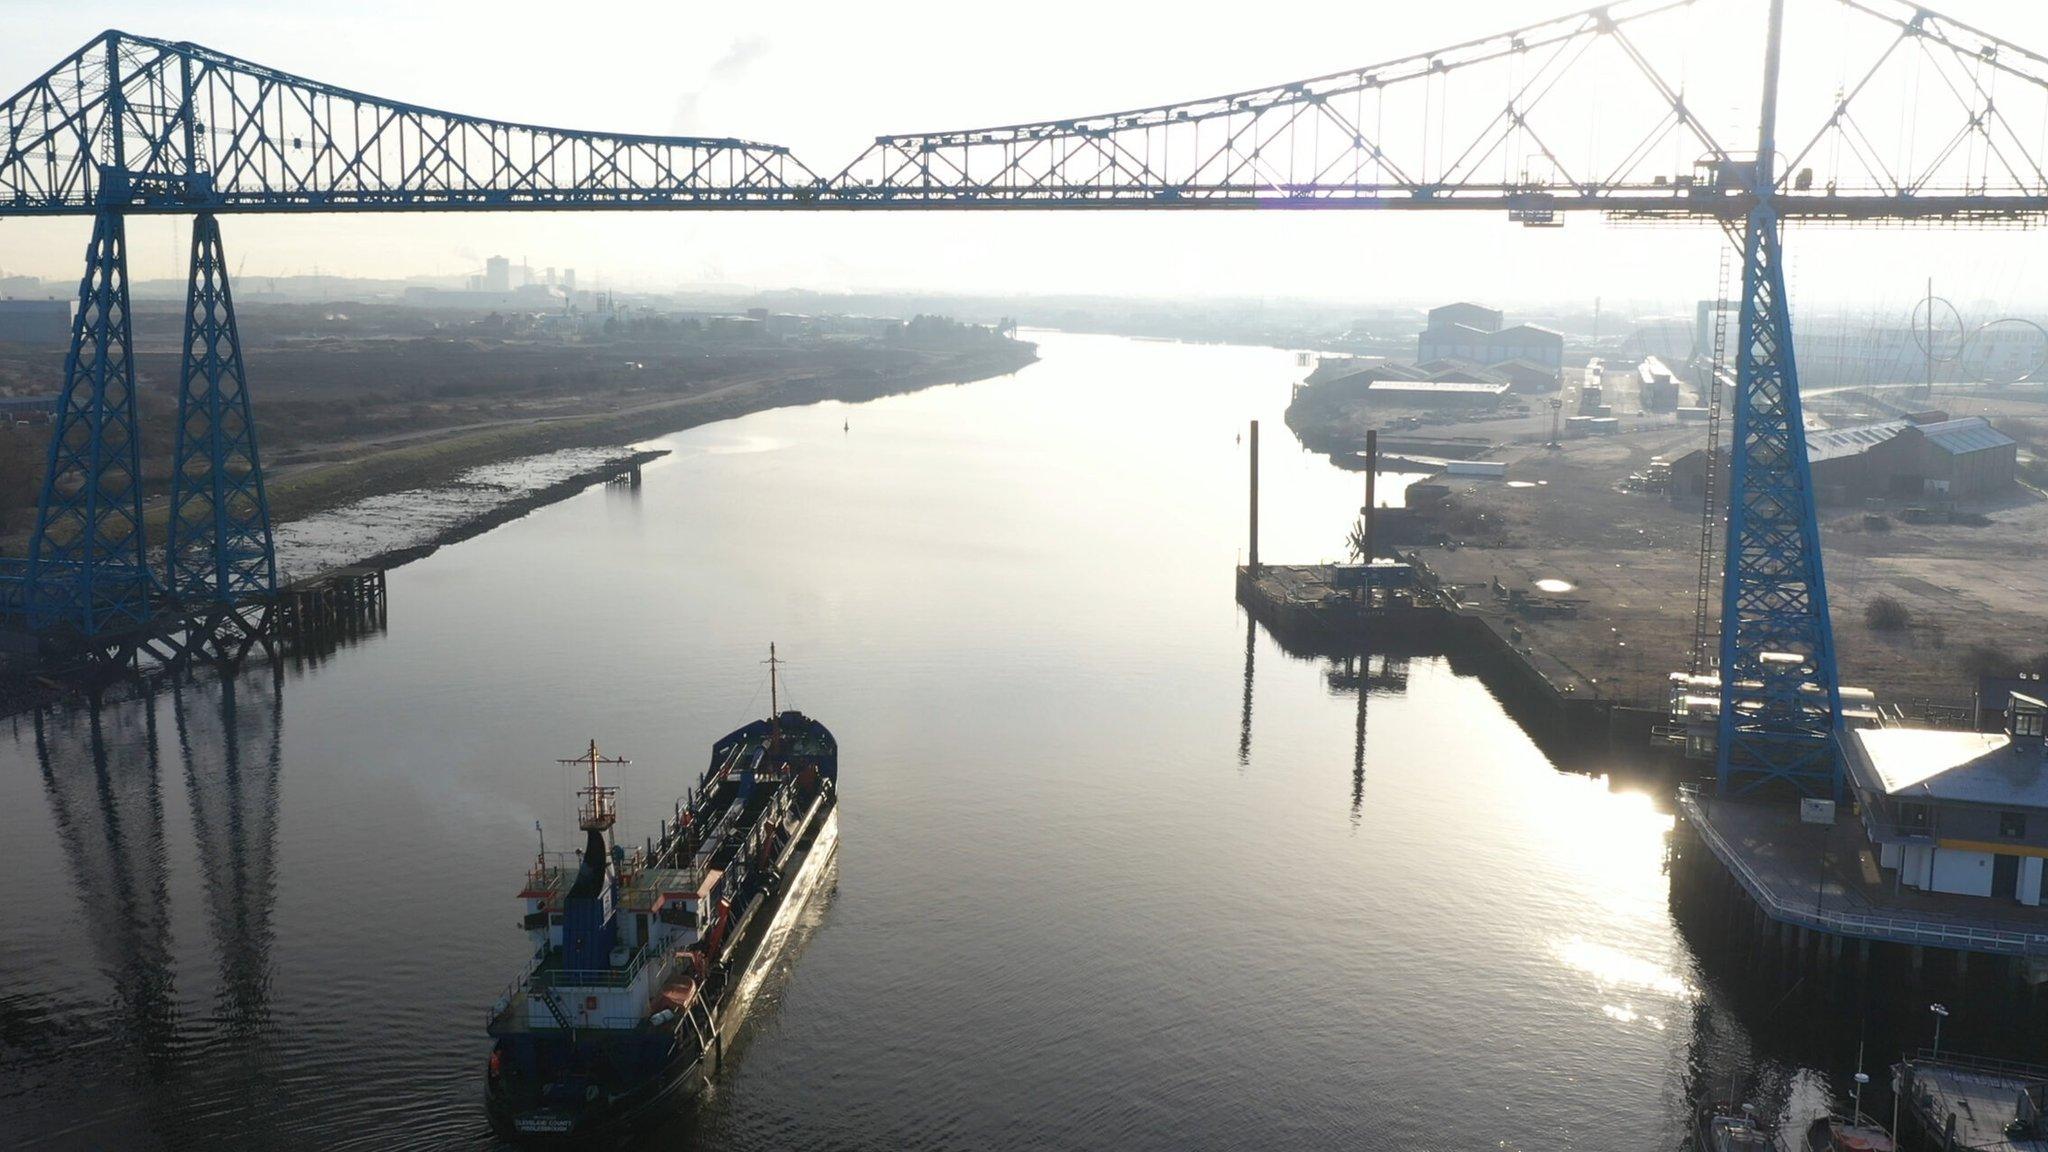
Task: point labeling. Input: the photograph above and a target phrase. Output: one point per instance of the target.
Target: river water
(1115, 871)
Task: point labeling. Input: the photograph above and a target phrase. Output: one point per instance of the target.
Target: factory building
(1964, 459)
(1475, 316)
(1459, 372)
(35, 321)
(1452, 342)
(1332, 384)
(1841, 472)
(1688, 484)
(1525, 375)
(1449, 392)
(1437, 384)
(1959, 812)
(1472, 332)
(1528, 342)
(37, 408)
(1834, 455)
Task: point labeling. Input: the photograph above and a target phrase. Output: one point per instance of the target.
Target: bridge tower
(1780, 701)
(219, 551)
(87, 570)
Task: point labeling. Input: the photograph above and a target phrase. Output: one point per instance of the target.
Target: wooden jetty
(304, 618)
(343, 599)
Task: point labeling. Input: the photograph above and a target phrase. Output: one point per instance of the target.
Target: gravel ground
(1634, 559)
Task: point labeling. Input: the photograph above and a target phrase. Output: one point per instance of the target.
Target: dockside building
(1957, 812)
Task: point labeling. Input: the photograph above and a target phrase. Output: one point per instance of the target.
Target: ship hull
(758, 940)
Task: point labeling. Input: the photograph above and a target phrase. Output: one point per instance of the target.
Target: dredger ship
(640, 954)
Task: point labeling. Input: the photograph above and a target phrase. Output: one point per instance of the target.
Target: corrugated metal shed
(1833, 443)
(1969, 434)
(1439, 387)
(1453, 368)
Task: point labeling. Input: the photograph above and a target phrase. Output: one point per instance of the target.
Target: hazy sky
(825, 78)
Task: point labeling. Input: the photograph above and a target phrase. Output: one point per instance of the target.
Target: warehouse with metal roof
(1964, 459)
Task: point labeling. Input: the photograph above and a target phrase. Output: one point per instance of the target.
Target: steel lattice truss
(220, 545)
(1780, 698)
(86, 560)
(148, 125)
(1384, 135)
(1924, 117)
(1944, 121)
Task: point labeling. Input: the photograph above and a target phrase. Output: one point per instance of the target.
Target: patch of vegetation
(1886, 614)
(1991, 660)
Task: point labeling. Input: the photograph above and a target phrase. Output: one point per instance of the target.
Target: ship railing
(1987, 1064)
(516, 990)
(1929, 931)
(551, 868)
(596, 977)
(1931, 1099)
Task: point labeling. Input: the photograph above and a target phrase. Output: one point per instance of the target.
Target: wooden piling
(1372, 468)
(1254, 557)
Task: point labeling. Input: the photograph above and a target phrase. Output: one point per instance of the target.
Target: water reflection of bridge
(229, 734)
(102, 766)
(99, 768)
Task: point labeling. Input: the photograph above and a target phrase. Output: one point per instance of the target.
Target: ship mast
(774, 703)
(599, 810)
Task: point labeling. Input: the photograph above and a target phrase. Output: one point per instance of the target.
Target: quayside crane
(1932, 124)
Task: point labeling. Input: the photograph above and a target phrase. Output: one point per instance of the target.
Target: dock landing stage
(1939, 842)
(1317, 608)
(1824, 878)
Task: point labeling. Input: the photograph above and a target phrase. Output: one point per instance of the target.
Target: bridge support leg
(1779, 696)
(87, 570)
(220, 551)
(1780, 704)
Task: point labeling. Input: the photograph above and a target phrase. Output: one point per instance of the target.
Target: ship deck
(1982, 1096)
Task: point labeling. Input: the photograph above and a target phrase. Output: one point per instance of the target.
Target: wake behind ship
(626, 1002)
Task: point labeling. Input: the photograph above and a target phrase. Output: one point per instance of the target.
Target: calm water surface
(1115, 872)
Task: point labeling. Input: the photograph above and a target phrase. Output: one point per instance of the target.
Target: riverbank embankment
(377, 471)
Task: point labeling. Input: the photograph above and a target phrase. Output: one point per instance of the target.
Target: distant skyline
(824, 79)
